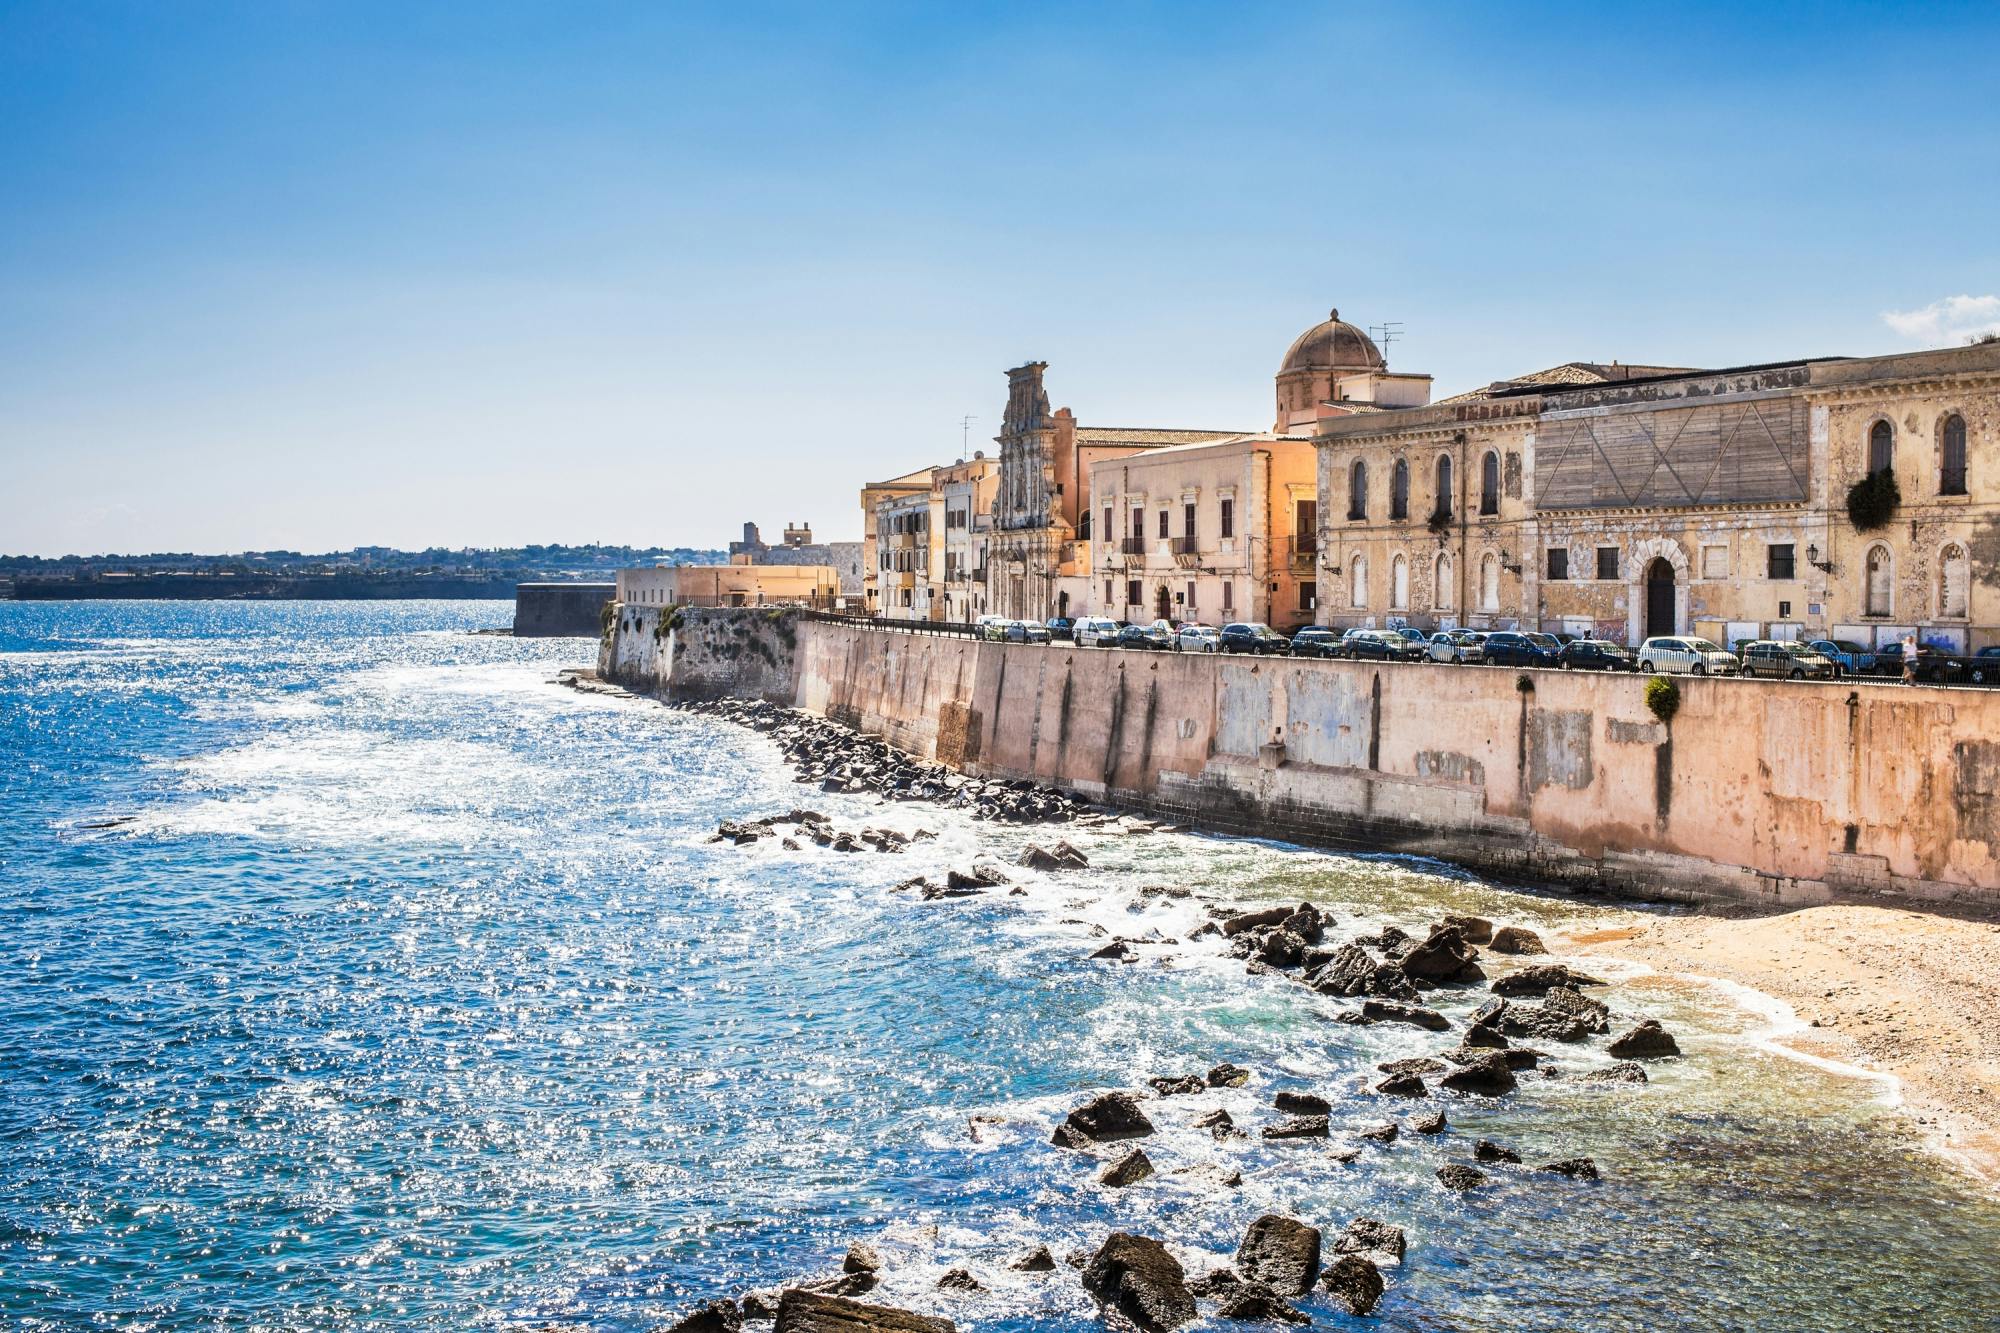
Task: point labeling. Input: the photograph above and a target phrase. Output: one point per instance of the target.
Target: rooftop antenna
(1385, 335)
(965, 433)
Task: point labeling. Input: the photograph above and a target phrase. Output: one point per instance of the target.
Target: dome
(1332, 345)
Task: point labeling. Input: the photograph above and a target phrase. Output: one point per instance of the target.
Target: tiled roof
(1147, 435)
(1567, 374)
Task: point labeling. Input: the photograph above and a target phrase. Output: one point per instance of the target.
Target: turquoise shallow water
(403, 991)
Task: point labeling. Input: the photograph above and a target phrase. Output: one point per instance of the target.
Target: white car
(1198, 639)
(1458, 646)
(1674, 656)
(1094, 631)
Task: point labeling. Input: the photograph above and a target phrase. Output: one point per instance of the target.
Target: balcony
(1305, 551)
(1186, 550)
(1132, 546)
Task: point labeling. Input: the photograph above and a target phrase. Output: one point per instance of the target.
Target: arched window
(1489, 583)
(1489, 483)
(1442, 513)
(1441, 590)
(1357, 582)
(1881, 582)
(1399, 490)
(1881, 447)
(1951, 583)
(1951, 460)
(1357, 490)
(1399, 584)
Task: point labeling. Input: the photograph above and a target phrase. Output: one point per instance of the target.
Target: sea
(356, 975)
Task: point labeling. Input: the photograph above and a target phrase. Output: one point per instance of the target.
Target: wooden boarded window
(1951, 463)
(1881, 447)
(1399, 490)
(1164, 521)
(1442, 511)
(1187, 520)
(1229, 518)
(1489, 483)
(1357, 490)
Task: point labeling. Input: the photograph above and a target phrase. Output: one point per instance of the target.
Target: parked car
(1197, 638)
(1785, 661)
(1417, 637)
(1983, 667)
(1253, 636)
(1595, 655)
(1848, 657)
(1458, 646)
(1155, 635)
(1315, 641)
(1059, 627)
(1507, 647)
(1026, 631)
(1932, 665)
(1380, 645)
(1094, 631)
(991, 627)
(1672, 656)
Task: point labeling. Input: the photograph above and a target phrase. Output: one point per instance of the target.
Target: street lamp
(1812, 558)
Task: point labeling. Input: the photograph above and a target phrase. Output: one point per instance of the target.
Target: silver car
(1458, 645)
(1198, 639)
(1676, 655)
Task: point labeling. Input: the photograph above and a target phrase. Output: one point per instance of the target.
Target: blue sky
(313, 275)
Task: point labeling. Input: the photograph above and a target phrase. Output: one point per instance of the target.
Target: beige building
(963, 513)
(907, 552)
(1629, 501)
(872, 496)
(1209, 532)
(738, 583)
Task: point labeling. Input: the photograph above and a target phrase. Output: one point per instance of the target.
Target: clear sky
(311, 275)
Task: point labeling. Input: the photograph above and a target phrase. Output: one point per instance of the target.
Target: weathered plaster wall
(691, 652)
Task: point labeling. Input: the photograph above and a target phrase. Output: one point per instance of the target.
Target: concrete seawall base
(1769, 792)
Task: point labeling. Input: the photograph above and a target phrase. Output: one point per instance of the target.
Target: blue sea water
(354, 976)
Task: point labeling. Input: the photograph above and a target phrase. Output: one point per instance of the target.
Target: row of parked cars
(1817, 659)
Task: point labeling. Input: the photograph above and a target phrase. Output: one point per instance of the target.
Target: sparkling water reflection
(358, 978)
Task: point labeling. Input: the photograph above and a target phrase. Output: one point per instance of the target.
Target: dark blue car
(1508, 647)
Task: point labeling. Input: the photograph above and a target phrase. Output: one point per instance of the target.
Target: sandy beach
(1909, 994)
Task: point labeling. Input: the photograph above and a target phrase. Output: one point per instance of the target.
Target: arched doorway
(1660, 598)
(1163, 603)
(1062, 604)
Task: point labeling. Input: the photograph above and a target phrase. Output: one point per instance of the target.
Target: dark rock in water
(1472, 929)
(760, 1305)
(1516, 1058)
(1297, 1127)
(1434, 1123)
(801, 1311)
(1559, 1020)
(1062, 856)
(1249, 1301)
(914, 882)
(1516, 940)
(1395, 1011)
(959, 1279)
(1350, 971)
(1107, 1118)
(711, 1317)
(1573, 1003)
(1136, 1276)
(1481, 1035)
(1648, 1041)
(861, 1258)
(1382, 1133)
(1353, 1283)
(1282, 949)
(1168, 1085)
(1365, 1235)
(933, 892)
(1455, 1177)
(1228, 1076)
(1402, 1085)
(1215, 1118)
(1308, 923)
(730, 830)
(1257, 967)
(1037, 1260)
(1204, 930)
(1215, 1283)
(1539, 978)
(1130, 1169)
(1623, 1072)
(1280, 1252)
(1486, 1150)
(789, 844)
(1302, 1103)
(1354, 1018)
(1118, 951)
(1422, 1064)
(1441, 957)
(1577, 1168)
(1257, 920)
(1488, 1077)
(979, 877)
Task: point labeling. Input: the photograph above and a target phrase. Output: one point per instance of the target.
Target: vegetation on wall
(1663, 698)
(1872, 501)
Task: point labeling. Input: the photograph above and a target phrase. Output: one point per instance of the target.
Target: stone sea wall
(1771, 792)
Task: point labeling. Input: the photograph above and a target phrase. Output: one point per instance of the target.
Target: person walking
(1910, 658)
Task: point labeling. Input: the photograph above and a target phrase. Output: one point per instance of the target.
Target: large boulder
(1365, 1235)
(1570, 1001)
(1257, 920)
(979, 877)
(1487, 1076)
(1062, 856)
(1130, 1169)
(1249, 1302)
(711, 1317)
(1353, 1283)
(1103, 1119)
(1625, 1071)
(861, 1257)
(1395, 1011)
(1473, 929)
(1456, 1177)
(1226, 1075)
(1282, 949)
(1402, 1085)
(1037, 1260)
(1298, 1127)
(1176, 1085)
(1577, 1168)
(1539, 978)
(1282, 1253)
(1444, 956)
(1486, 1150)
(1302, 1103)
(801, 1311)
(1308, 923)
(1516, 940)
(1136, 1276)
(1647, 1041)
(1350, 971)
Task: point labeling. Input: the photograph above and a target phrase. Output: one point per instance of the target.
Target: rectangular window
(1107, 594)
(1132, 595)
(1715, 562)
(1558, 564)
(1190, 597)
(1308, 595)
(1228, 520)
(1229, 596)
(1187, 520)
(1305, 532)
(1778, 561)
(1138, 523)
(1607, 562)
(1106, 534)
(1163, 522)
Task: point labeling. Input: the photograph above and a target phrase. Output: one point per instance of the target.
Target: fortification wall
(560, 610)
(1765, 791)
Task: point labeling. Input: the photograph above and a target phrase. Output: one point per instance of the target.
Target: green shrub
(1663, 698)
(1524, 683)
(1872, 501)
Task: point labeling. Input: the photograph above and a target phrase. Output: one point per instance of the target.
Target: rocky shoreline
(1487, 988)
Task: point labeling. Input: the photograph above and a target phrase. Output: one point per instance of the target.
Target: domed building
(1334, 368)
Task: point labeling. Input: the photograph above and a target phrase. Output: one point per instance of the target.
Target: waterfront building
(872, 496)
(1631, 501)
(1212, 532)
(963, 513)
(799, 548)
(738, 583)
(908, 548)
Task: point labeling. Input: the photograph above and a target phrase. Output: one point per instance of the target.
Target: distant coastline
(268, 587)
